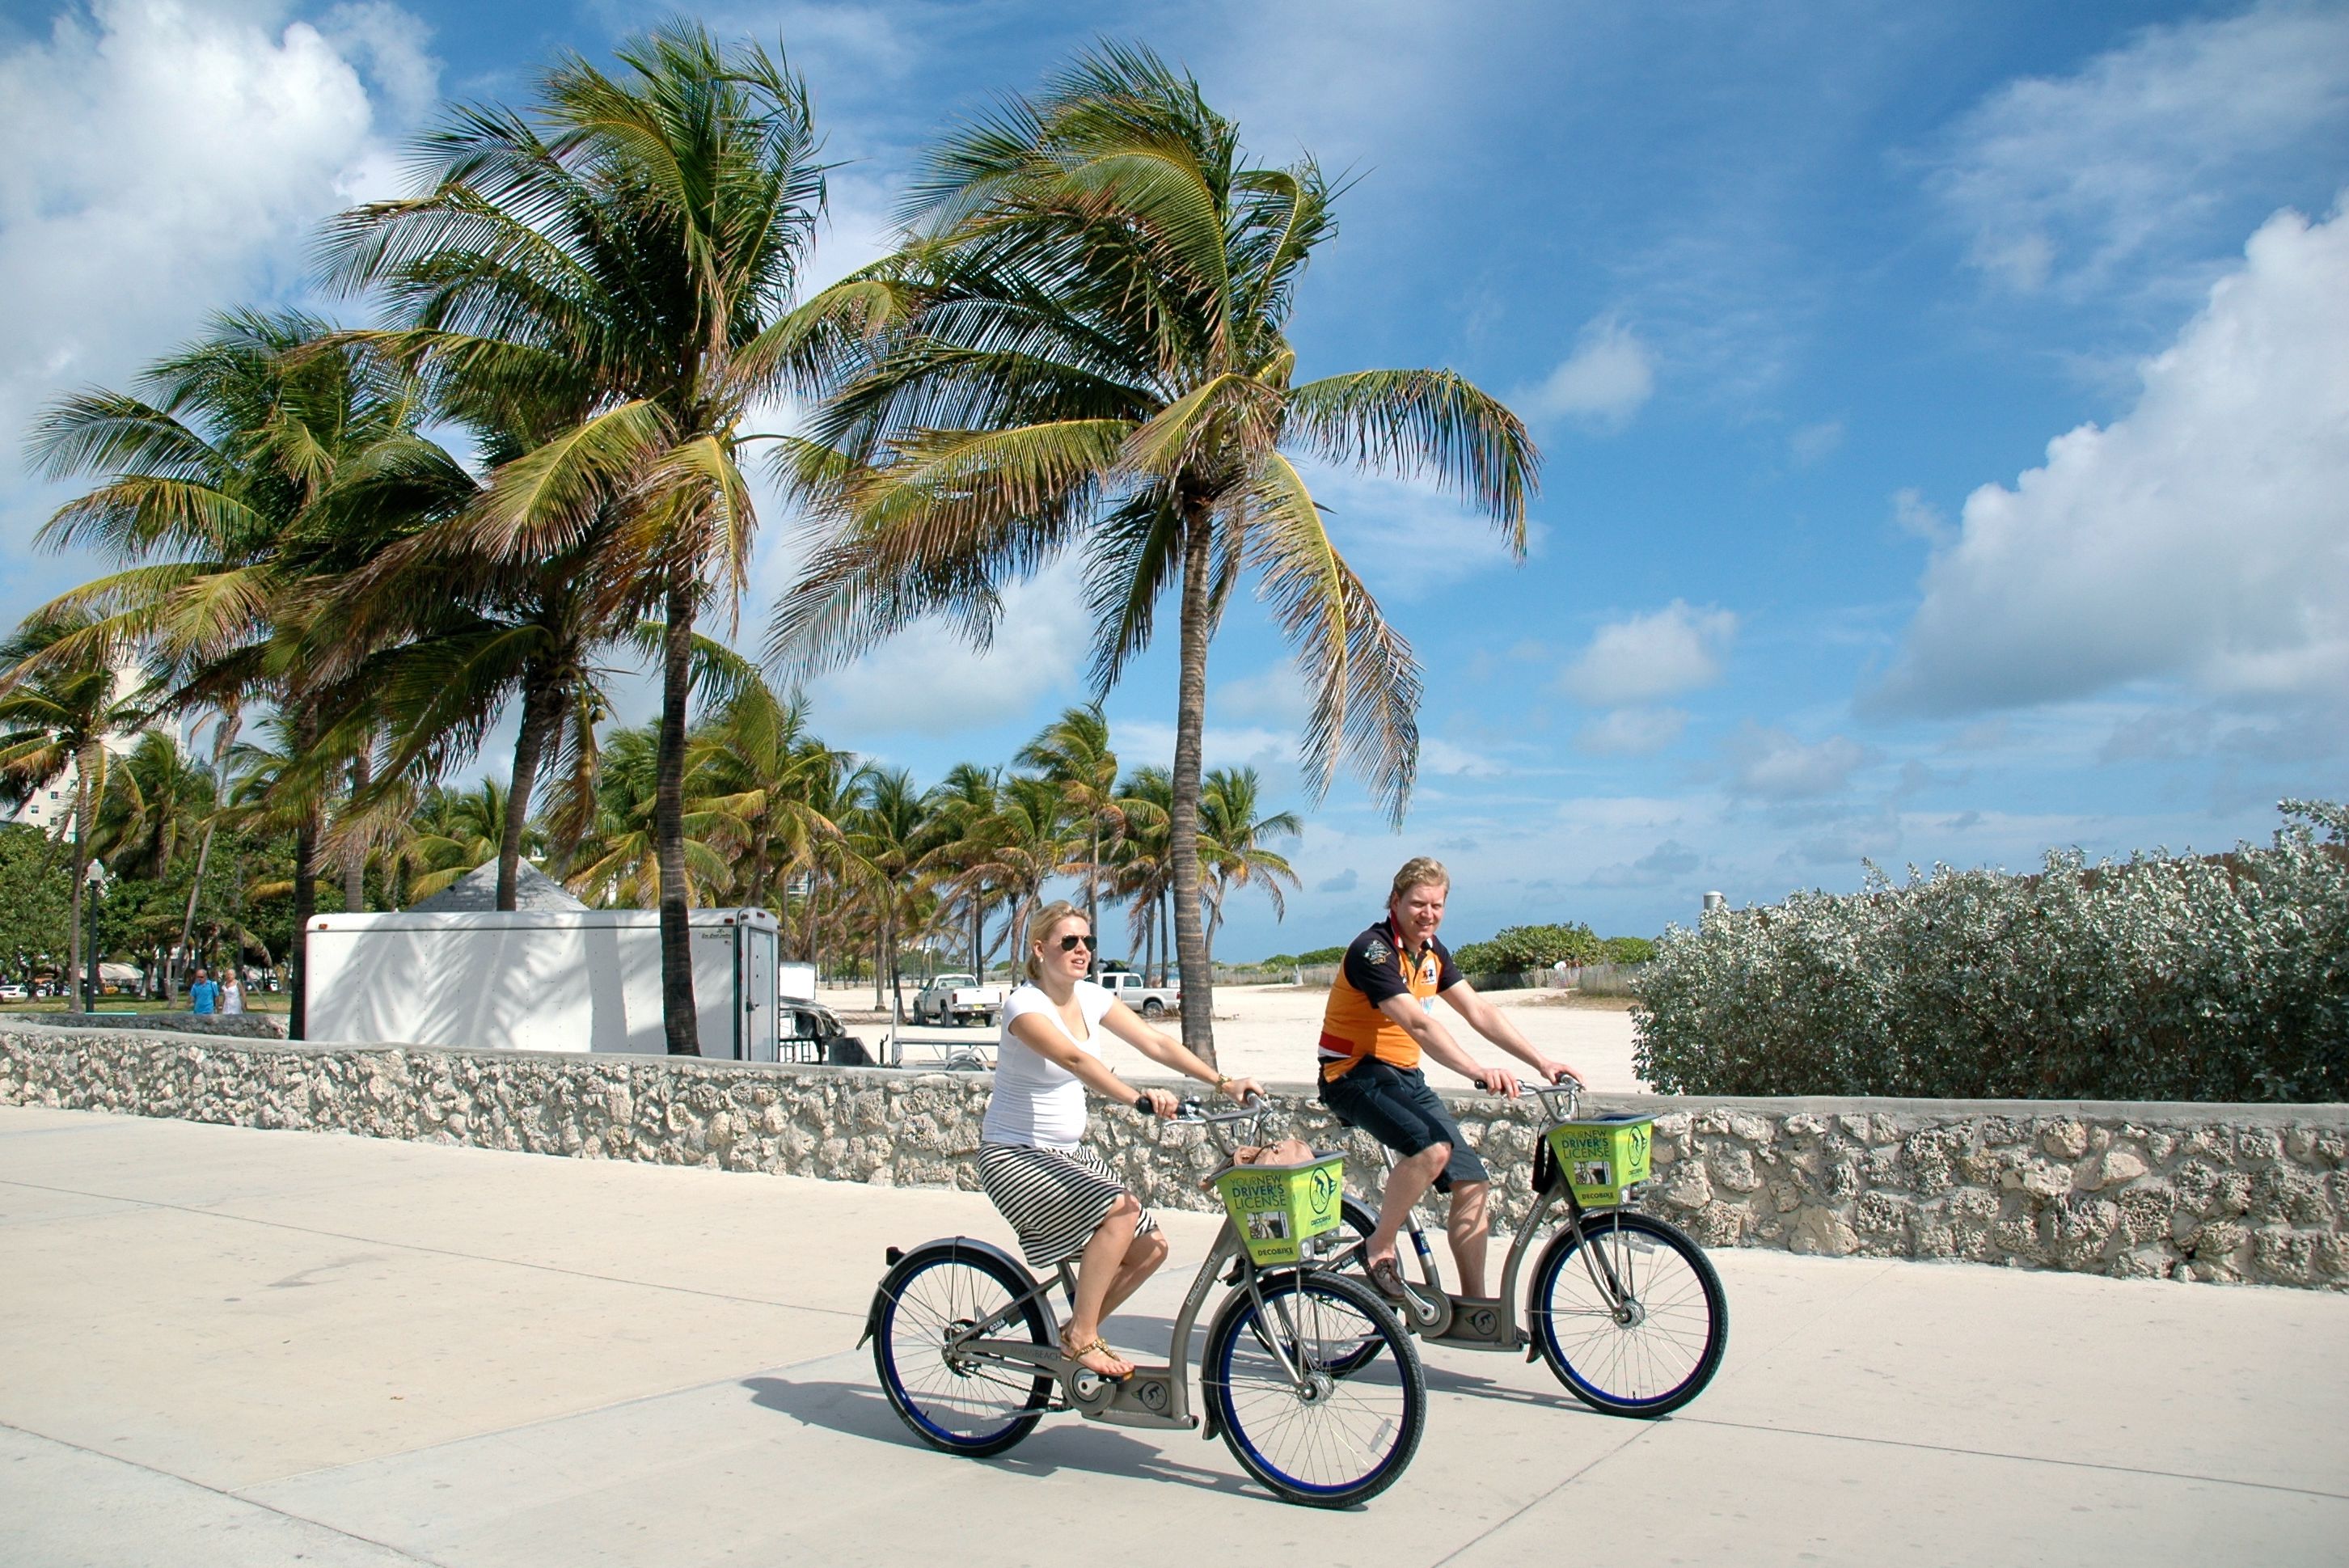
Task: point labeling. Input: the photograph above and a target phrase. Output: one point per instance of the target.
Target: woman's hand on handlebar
(1156, 1102)
(1243, 1090)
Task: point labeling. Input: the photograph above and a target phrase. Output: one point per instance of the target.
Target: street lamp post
(94, 879)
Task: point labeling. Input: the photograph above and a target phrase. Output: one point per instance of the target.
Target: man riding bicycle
(1379, 1022)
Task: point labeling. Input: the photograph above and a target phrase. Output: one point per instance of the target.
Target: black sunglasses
(1070, 944)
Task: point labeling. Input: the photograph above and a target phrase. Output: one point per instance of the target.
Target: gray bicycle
(1625, 1308)
(1306, 1374)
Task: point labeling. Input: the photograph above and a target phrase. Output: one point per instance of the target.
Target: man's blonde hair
(1419, 871)
(1040, 930)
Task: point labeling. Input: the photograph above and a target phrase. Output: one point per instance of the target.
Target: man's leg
(1411, 1176)
(1470, 1225)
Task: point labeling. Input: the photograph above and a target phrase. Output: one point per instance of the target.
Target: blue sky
(1945, 409)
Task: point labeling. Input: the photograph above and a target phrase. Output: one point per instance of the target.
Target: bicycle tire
(1353, 1433)
(1672, 1344)
(946, 1407)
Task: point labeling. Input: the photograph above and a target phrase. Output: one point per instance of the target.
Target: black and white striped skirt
(1055, 1197)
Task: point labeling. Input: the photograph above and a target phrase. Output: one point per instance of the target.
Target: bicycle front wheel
(1305, 1403)
(953, 1401)
(1629, 1313)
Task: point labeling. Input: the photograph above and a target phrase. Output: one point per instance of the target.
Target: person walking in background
(204, 996)
(231, 994)
(1379, 1019)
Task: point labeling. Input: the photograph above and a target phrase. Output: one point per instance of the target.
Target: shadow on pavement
(858, 1410)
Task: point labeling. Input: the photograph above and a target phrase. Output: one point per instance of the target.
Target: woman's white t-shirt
(1035, 1101)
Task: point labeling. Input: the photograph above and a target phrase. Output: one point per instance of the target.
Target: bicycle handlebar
(1194, 1111)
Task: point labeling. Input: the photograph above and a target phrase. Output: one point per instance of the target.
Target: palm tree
(886, 835)
(1026, 843)
(1082, 346)
(961, 808)
(1233, 843)
(269, 458)
(756, 768)
(55, 712)
(224, 726)
(150, 806)
(630, 241)
(1073, 752)
(1145, 872)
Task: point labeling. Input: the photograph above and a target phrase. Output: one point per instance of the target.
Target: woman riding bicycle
(1058, 1195)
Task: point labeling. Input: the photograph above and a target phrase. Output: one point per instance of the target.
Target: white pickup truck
(1150, 1001)
(958, 999)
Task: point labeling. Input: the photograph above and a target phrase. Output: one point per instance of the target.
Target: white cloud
(1774, 765)
(1631, 731)
(2061, 180)
(1606, 379)
(2200, 536)
(1442, 758)
(927, 681)
(1274, 694)
(1270, 752)
(1814, 444)
(1407, 537)
(1666, 862)
(1677, 648)
(166, 161)
(1920, 518)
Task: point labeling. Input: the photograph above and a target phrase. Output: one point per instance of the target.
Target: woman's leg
(1098, 1268)
(1142, 1260)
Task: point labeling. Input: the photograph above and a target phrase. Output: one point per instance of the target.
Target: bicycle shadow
(859, 1411)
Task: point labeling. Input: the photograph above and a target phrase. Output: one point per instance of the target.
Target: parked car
(13, 990)
(1150, 1001)
(958, 999)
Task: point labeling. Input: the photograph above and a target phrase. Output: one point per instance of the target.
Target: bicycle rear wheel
(952, 1402)
(1307, 1404)
(1629, 1313)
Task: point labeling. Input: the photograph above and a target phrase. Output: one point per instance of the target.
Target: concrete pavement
(220, 1346)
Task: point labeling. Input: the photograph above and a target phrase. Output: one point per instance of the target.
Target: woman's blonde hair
(1040, 929)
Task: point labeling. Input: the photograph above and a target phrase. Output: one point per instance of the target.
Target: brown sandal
(1077, 1353)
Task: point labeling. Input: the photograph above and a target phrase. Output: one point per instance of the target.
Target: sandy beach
(1267, 1032)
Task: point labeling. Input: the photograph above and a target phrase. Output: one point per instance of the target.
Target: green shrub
(2162, 978)
(1629, 949)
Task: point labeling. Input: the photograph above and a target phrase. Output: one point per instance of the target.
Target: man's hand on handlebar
(1497, 1081)
(1559, 1072)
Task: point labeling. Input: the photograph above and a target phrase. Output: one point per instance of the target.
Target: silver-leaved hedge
(2223, 978)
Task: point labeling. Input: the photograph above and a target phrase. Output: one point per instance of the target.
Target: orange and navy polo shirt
(1375, 969)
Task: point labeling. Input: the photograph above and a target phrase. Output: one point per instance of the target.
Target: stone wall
(2225, 1193)
(244, 1025)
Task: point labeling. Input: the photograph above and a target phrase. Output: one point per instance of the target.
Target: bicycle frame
(1152, 1396)
(1509, 1329)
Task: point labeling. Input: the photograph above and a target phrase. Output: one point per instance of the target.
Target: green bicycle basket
(1602, 1157)
(1278, 1208)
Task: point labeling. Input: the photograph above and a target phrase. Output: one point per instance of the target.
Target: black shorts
(1394, 1106)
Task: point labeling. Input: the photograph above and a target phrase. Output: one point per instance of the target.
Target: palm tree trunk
(306, 904)
(79, 982)
(1092, 883)
(223, 734)
(678, 1021)
(1183, 821)
(542, 712)
(355, 860)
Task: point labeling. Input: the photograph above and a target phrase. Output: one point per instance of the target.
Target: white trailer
(539, 979)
